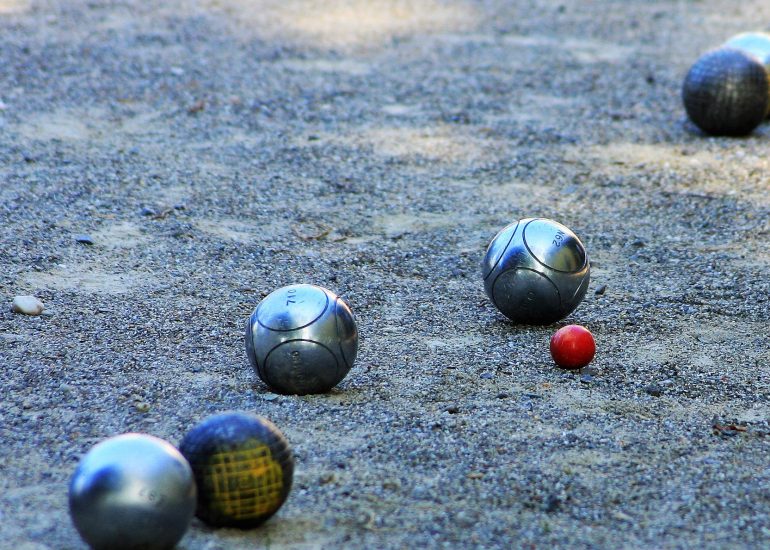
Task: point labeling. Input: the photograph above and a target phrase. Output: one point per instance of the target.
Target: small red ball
(573, 347)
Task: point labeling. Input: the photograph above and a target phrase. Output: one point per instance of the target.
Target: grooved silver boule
(132, 491)
(536, 271)
(301, 339)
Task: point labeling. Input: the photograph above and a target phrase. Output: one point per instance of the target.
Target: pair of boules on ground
(134, 490)
(303, 339)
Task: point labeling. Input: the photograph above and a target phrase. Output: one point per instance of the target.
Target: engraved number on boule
(558, 238)
(291, 297)
(296, 365)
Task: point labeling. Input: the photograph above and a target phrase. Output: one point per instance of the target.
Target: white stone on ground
(29, 305)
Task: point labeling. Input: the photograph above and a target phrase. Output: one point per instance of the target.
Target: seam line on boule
(267, 377)
(326, 306)
(558, 293)
(339, 338)
(500, 257)
(524, 240)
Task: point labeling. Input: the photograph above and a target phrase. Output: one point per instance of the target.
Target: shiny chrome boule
(536, 271)
(726, 92)
(301, 339)
(132, 491)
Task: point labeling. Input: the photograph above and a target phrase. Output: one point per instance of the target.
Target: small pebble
(84, 239)
(28, 305)
(533, 395)
(552, 504)
(465, 520)
(601, 290)
(622, 516)
(586, 379)
(653, 390)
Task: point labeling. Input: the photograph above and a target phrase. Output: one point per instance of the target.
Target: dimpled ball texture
(726, 92)
(243, 467)
(753, 43)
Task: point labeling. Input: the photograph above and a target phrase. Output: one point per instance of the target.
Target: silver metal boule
(536, 271)
(301, 339)
(132, 491)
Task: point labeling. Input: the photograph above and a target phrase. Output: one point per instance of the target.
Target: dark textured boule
(243, 467)
(753, 43)
(726, 92)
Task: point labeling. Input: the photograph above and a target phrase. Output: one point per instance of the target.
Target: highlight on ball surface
(132, 491)
(536, 271)
(572, 347)
(243, 466)
(301, 339)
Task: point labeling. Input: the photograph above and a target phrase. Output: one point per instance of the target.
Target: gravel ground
(214, 150)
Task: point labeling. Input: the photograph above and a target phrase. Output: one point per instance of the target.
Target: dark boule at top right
(726, 92)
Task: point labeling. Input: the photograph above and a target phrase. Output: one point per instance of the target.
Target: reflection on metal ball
(301, 339)
(726, 92)
(243, 467)
(132, 491)
(536, 271)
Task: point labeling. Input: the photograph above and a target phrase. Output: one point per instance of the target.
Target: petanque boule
(132, 491)
(536, 271)
(726, 92)
(754, 43)
(243, 468)
(301, 339)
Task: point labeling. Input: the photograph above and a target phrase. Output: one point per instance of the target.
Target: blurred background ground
(212, 151)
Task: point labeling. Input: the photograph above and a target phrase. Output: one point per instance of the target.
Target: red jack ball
(573, 347)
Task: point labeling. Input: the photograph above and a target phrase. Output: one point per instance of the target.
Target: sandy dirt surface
(215, 150)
